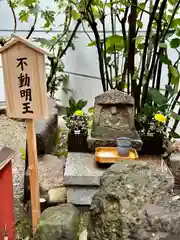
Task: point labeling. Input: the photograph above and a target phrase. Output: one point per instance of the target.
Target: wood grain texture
(28, 43)
(33, 172)
(36, 71)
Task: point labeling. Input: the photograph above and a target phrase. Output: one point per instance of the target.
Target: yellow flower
(79, 113)
(160, 117)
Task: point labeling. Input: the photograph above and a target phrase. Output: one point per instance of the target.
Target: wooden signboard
(26, 97)
(24, 79)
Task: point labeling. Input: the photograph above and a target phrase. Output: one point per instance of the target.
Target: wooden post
(26, 98)
(33, 171)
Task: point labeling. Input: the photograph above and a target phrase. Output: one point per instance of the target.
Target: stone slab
(80, 196)
(81, 170)
(93, 143)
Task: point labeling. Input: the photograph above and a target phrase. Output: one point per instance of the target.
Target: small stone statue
(113, 118)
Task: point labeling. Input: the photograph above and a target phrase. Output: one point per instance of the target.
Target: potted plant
(152, 135)
(78, 131)
(153, 120)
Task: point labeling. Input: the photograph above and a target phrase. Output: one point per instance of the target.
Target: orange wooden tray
(101, 155)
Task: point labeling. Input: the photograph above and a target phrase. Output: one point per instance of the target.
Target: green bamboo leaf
(29, 2)
(175, 43)
(75, 14)
(114, 42)
(172, 2)
(175, 23)
(164, 59)
(178, 32)
(175, 116)
(140, 46)
(175, 81)
(156, 96)
(93, 43)
(174, 71)
(162, 45)
(142, 5)
(139, 24)
(148, 110)
(174, 134)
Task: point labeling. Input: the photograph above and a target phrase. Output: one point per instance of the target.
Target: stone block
(82, 170)
(57, 195)
(46, 130)
(80, 195)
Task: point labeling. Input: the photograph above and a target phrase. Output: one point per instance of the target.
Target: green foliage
(114, 43)
(74, 106)
(156, 96)
(175, 43)
(23, 16)
(158, 103)
(60, 142)
(49, 17)
(58, 44)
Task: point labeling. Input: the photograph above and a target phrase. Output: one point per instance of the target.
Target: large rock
(134, 203)
(58, 223)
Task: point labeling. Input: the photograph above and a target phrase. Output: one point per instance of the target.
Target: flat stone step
(80, 195)
(82, 170)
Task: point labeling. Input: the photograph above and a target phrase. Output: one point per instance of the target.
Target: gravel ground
(13, 135)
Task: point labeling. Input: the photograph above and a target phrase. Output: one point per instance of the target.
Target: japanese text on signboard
(25, 86)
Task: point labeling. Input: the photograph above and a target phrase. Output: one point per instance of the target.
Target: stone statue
(113, 118)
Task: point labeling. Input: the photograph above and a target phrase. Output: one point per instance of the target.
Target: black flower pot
(152, 145)
(77, 143)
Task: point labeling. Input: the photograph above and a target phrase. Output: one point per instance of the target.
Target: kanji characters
(26, 108)
(24, 85)
(26, 93)
(24, 80)
(22, 62)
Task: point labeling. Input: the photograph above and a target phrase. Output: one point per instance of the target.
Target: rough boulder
(134, 202)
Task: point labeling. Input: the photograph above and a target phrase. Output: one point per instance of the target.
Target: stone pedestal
(93, 143)
(82, 178)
